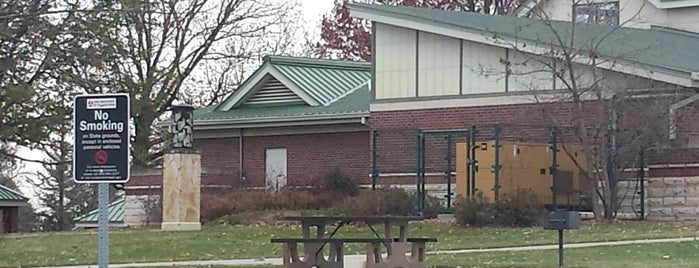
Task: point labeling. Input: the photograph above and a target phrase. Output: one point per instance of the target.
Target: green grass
(229, 242)
(680, 254)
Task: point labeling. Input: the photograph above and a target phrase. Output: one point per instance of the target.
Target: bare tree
(152, 49)
(611, 116)
(230, 64)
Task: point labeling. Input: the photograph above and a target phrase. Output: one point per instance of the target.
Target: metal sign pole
(102, 220)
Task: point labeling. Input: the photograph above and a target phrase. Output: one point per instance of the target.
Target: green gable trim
(115, 214)
(653, 49)
(339, 91)
(318, 82)
(353, 106)
(9, 195)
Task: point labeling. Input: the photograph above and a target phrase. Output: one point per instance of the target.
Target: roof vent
(273, 93)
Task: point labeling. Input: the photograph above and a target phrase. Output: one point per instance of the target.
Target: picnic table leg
(291, 254)
(336, 255)
(373, 255)
(397, 258)
(417, 252)
(320, 231)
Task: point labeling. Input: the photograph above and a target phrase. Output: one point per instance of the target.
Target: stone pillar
(181, 176)
(181, 191)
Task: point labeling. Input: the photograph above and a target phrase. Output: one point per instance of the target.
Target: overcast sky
(314, 9)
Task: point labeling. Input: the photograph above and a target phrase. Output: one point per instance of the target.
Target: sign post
(101, 152)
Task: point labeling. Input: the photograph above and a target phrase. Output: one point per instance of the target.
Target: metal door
(275, 162)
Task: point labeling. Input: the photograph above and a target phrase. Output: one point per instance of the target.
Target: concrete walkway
(356, 261)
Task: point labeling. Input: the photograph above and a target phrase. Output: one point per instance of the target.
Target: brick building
(10, 202)
(292, 121)
(440, 70)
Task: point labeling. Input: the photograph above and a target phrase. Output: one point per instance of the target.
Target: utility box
(562, 219)
(526, 165)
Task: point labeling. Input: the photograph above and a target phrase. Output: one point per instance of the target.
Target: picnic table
(313, 243)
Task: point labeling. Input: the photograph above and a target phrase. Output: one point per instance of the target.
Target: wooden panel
(528, 72)
(482, 70)
(438, 69)
(395, 62)
(525, 165)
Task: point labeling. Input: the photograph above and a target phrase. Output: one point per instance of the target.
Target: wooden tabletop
(366, 219)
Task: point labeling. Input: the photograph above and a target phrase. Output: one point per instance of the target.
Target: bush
(520, 208)
(434, 206)
(337, 181)
(385, 201)
(215, 206)
(476, 211)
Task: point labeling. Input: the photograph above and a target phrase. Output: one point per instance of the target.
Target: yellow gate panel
(525, 165)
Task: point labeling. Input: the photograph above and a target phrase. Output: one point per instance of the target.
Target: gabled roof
(315, 82)
(658, 53)
(115, 214)
(294, 91)
(526, 6)
(668, 4)
(11, 197)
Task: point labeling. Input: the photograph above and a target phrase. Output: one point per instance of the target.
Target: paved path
(355, 261)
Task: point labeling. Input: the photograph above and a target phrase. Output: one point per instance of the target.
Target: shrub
(433, 206)
(475, 211)
(519, 208)
(215, 206)
(337, 181)
(385, 201)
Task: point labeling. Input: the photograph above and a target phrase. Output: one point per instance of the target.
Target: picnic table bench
(313, 245)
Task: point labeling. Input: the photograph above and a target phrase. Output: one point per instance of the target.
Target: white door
(275, 162)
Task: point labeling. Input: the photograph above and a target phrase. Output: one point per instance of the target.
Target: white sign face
(104, 103)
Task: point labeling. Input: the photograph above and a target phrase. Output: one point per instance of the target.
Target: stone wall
(673, 198)
(142, 210)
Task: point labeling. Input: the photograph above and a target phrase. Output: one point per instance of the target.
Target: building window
(602, 13)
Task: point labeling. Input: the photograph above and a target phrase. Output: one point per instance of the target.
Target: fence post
(473, 161)
(374, 172)
(419, 171)
(447, 172)
(554, 168)
(496, 164)
(642, 176)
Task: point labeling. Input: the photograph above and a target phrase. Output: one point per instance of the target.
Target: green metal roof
(353, 103)
(115, 213)
(341, 88)
(7, 194)
(658, 47)
(324, 80)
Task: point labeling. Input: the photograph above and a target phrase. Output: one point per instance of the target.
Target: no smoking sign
(101, 148)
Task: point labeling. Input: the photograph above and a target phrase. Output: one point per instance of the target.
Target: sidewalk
(356, 261)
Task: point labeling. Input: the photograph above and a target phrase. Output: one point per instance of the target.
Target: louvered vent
(273, 93)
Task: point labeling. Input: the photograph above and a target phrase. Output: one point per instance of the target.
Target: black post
(418, 170)
(422, 177)
(473, 162)
(560, 248)
(554, 169)
(642, 177)
(468, 164)
(374, 171)
(496, 164)
(447, 172)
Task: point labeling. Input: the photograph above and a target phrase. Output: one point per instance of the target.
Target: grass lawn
(227, 242)
(681, 254)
